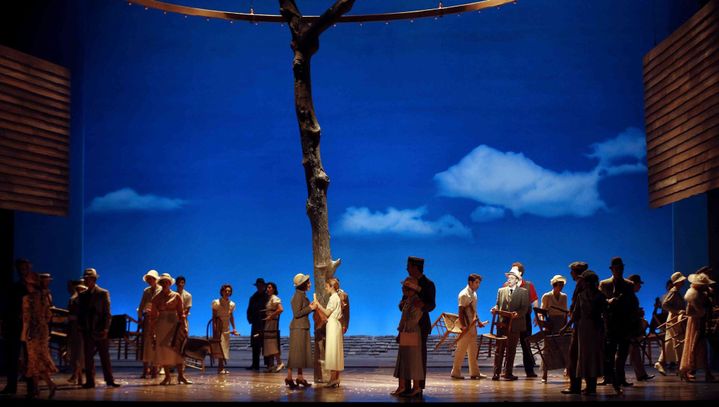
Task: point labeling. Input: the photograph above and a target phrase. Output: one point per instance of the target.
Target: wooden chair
(446, 325)
(123, 336)
(195, 351)
(215, 345)
(58, 326)
(493, 338)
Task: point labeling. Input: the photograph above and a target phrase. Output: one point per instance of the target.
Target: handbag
(409, 339)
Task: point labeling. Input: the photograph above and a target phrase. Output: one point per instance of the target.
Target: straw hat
(700, 279)
(90, 272)
(151, 273)
(514, 272)
(678, 277)
(165, 276)
(300, 279)
(558, 278)
(411, 283)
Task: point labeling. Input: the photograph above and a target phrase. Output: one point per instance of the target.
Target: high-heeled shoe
(397, 392)
(183, 380)
(166, 381)
(686, 377)
(416, 393)
(333, 383)
(291, 384)
(303, 382)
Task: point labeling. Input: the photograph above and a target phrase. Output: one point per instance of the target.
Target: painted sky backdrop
(472, 141)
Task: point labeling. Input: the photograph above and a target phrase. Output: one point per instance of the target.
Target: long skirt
(590, 348)
(409, 363)
(271, 335)
(166, 327)
(300, 356)
(76, 349)
(39, 360)
(672, 352)
(148, 350)
(694, 355)
(222, 332)
(334, 346)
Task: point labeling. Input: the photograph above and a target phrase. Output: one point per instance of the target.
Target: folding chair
(493, 338)
(446, 325)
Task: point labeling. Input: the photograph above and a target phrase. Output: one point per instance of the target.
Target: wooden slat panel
(31, 131)
(26, 78)
(38, 90)
(22, 190)
(20, 163)
(30, 156)
(59, 109)
(662, 51)
(30, 173)
(48, 153)
(35, 62)
(34, 183)
(36, 73)
(681, 96)
(29, 113)
(46, 210)
(35, 141)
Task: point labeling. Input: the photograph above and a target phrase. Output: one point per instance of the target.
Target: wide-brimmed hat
(678, 277)
(558, 278)
(412, 283)
(636, 279)
(152, 273)
(167, 277)
(259, 281)
(300, 279)
(82, 287)
(578, 266)
(616, 261)
(700, 279)
(90, 272)
(514, 272)
(45, 276)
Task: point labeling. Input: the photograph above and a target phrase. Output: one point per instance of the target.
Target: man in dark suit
(94, 320)
(620, 322)
(12, 326)
(515, 299)
(575, 384)
(415, 269)
(256, 318)
(527, 356)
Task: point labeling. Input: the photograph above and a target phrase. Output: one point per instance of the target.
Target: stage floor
(364, 385)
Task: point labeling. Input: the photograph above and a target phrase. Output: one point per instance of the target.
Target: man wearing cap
(12, 326)
(515, 299)
(467, 319)
(415, 269)
(94, 318)
(143, 317)
(527, 357)
(576, 269)
(256, 318)
(635, 350)
(620, 322)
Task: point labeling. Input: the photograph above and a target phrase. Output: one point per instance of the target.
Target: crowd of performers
(603, 319)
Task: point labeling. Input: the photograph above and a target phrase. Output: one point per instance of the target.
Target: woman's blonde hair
(334, 283)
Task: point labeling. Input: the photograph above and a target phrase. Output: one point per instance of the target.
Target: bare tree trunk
(305, 43)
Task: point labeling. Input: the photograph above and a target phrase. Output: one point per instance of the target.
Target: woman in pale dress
(409, 356)
(169, 323)
(74, 336)
(300, 356)
(334, 346)
(675, 305)
(35, 333)
(699, 308)
(555, 302)
(271, 330)
(149, 368)
(223, 317)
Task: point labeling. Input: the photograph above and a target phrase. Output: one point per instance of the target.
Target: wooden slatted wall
(681, 100)
(34, 134)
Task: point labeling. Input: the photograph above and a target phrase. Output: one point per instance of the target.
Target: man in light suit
(514, 299)
(94, 319)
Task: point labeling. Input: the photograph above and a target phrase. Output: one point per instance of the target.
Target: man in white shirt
(467, 320)
(186, 296)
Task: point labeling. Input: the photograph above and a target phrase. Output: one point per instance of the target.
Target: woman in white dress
(223, 317)
(334, 345)
(169, 325)
(271, 331)
(149, 369)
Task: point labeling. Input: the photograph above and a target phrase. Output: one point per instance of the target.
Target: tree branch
(328, 18)
(289, 10)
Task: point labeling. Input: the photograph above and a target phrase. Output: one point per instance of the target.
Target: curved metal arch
(358, 18)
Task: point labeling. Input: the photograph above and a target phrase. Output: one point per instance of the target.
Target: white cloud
(630, 144)
(406, 222)
(127, 200)
(510, 181)
(513, 181)
(487, 213)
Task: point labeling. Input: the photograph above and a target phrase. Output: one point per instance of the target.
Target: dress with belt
(223, 309)
(334, 345)
(167, 307)
(271, 331)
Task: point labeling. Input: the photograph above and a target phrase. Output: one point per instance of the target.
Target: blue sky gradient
(472, 141)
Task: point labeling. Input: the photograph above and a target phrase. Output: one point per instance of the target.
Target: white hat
(165, 276)
(700, 279)
(678, 277)
(558, 277)
(300, 279)
(515, 272)
(151, 273)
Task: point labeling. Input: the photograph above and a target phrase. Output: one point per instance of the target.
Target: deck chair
(195, 351)
(493, 338)
(446, 326)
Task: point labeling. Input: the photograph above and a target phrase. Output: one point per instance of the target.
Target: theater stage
(363, 385)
